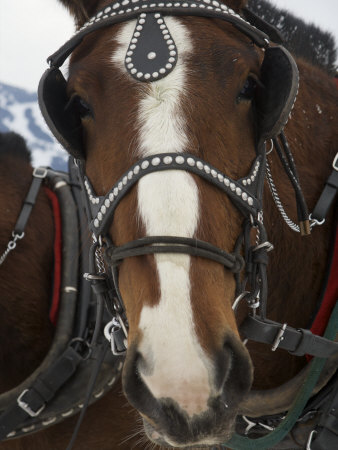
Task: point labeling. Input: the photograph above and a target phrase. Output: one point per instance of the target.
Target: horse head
(186, 369)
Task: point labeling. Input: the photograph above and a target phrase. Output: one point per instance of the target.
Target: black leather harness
(57, 388)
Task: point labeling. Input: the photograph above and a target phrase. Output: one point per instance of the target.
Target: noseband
(149, 59)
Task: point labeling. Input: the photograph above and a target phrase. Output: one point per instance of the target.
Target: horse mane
(14, 145)
(303, 40)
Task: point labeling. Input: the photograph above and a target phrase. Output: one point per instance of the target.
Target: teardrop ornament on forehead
(152, 53)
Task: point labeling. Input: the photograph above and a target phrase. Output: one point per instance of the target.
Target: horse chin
(163, 440)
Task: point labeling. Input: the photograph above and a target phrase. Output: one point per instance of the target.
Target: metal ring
(309, 441)
(85, 343)
(266, 244)
(238, 299)
(271, 148)
(315, 222)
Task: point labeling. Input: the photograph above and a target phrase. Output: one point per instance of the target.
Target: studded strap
(243, 192)
(125, 10)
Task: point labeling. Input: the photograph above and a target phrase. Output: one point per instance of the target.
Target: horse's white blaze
(175, 365)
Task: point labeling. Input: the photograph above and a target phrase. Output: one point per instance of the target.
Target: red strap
(330, 296)
(53, 313)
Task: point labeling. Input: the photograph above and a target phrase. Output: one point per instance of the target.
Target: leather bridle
(273, 109)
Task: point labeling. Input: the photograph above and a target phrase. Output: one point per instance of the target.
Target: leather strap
(328, 195)
(326, 432)
(32, 401)
(296, 341)
(38, 175)
(173, 244)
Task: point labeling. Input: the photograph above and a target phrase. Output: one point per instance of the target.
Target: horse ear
(81, 10)
(236, 5)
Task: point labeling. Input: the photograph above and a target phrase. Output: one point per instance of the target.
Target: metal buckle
(25, 406)
(112, 327)
(279, 337)
(40, 172)
(335, 162)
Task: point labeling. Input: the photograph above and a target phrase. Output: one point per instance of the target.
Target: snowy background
(32, 30)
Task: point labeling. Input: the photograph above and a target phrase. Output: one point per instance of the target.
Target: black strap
(328, 195)
(195, 247)
(296, 341)
(33, 400)
(326, 432)
(38, 175)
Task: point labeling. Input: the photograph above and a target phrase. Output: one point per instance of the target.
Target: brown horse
(186, 370)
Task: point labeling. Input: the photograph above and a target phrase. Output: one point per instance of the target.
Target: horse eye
(79, 106)
(248, 90)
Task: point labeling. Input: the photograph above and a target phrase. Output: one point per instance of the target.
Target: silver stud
(226, 182)
(245, 196)
(250, 201)
(248, 181)
(136, 170)
(252, 178)
(147, 76)
(145, 165)
(244, 182)
(179, 159)
(155, 161)
(199, 165)
(125, 179)
(151, 55)
(111, 197)
(191, 162)
(103, 209)
(238, 191)
(214, 173)
(130, 175)
(139, 74)
(232, 186)
(133, 71)
(120, 186)
(162, 70)
(107, 202)
(206, 169)
(99, 215)
(116, 192)
(155, 75)
(220, 177)
(167, 160)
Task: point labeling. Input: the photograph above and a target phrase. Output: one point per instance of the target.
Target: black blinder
(274, 101)
(64, 123)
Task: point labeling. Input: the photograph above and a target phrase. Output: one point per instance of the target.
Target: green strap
(238, 442)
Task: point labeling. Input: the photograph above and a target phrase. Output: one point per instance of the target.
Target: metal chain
(277, 200)
(99, 261)
(11, 246)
